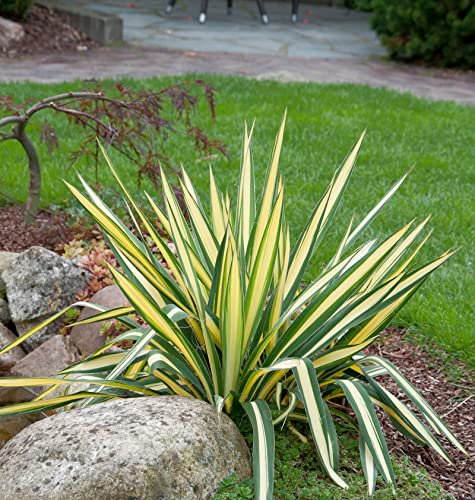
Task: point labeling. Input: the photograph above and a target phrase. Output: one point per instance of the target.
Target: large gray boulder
(89, 338)
(38, 284)
(165, 447)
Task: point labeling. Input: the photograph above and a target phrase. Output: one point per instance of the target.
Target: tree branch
(12, 119)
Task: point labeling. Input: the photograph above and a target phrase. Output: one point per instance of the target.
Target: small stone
(89, 338)
(5, 259)
(40, 283)
(10, 358)
(4, 312)
(51, 357)
(11, 426)
(167, 447)
(10, 32)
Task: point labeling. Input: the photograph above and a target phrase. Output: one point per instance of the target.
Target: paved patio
(321, 32)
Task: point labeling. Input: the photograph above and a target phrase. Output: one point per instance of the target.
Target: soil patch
(52, 230)
(46, 31)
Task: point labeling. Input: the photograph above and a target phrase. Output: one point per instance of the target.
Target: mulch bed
(47, 31)
(454, 401)
(52, 230)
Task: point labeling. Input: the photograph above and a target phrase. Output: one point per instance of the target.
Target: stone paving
(322, 32)
(175, 45)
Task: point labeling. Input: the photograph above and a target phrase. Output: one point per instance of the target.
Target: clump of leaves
(97, 259)
(233, 323)
(135, 123)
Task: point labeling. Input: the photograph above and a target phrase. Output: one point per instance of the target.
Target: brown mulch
(52, 230)
(453, 401)
(47, 31)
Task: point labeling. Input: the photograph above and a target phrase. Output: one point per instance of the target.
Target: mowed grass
(324, 121)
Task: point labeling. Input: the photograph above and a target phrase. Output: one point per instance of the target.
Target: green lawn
(324, 122)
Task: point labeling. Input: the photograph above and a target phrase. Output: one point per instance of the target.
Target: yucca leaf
(92, 364)
(394, 257)
(369, 426)
(42, 325)
(416, 397)
(337, 355)
(335, 297)
(262, 271)
(49, 404)
(232, 325)
(119, 313)
(202, 231)
(318, 223)
(182, 237)
(369, 467)
(406, 420)
(246, 203)
(219, 217)
(319, 419)
(269, 194)
(263, 448)
(161, 323)
(373, 213)
(293, 399)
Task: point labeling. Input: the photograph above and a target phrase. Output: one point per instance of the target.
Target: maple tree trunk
(34, 189)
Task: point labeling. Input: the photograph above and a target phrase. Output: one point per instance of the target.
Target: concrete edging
(102, 27)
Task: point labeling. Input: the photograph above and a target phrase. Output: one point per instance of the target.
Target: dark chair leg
(203, 11)
(230, 7)
(262, 12)
(169, 8)
(295, 10)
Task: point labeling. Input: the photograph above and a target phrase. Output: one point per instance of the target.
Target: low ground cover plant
(230, 320)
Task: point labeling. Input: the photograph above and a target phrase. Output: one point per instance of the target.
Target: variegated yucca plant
(230, 321)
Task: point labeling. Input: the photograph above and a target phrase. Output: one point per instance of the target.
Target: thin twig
(460, 404)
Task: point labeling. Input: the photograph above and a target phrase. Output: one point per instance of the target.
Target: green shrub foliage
(440, 32)
(15, 9)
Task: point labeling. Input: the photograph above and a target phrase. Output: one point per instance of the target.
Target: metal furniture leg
(262, 12)
(295, 10)
(203, 11)
(230, 7)
(170, 5)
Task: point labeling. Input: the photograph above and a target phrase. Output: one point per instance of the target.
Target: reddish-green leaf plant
(134, 122)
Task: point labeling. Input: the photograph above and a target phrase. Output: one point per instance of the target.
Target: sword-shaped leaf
(263, 448)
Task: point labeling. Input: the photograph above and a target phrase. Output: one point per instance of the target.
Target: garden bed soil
(454, 401)
(51, 230)
(47, 31)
